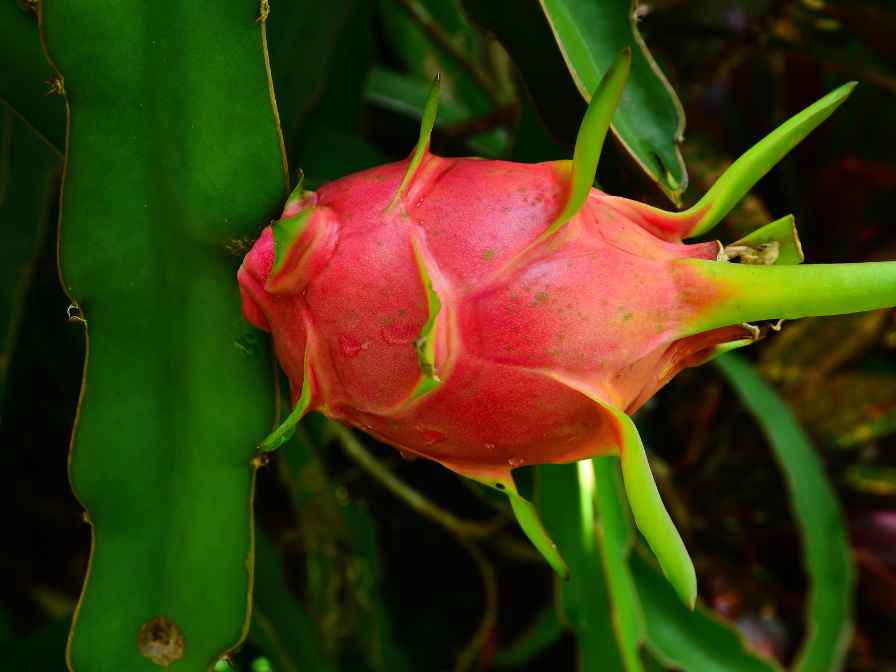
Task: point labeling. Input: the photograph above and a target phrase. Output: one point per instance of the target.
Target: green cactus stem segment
(776, 243)
(752, 166)
(526, 516)
(590, 140)
(649, 513)
(287, 428)
(425, 343)
(430, 110)
(752, 293)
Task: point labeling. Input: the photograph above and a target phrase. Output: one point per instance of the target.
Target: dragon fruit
(489, 314)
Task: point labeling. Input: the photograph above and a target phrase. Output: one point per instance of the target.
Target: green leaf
(40, 651)
(383, 651)
(174, 154)
(329, 152)
(565, 501)
(303, 36)
(545, 630)
(449, 47)
(650, 119)
(590, 34)
(522, 29)
(826, 549)
(407, 94)
(26, 78)
(342, 556)
(617, 538)
(329, 142)
(689, 640)
(29, 171)
(281, 627)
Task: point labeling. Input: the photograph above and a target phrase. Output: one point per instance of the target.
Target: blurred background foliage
(781, 475)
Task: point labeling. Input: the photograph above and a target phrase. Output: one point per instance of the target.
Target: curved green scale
(430, 110)
(649, 513)
(650, 120)
(590, 140)
(177, 387)
(782, 233)
(757, 161)
(425, 345)
(526, 516)
(647, 508)
(287, 428)
(285, 232)
(531, 524)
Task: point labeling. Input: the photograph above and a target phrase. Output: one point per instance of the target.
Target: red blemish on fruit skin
(537, 336)
(351, 346)
(432, 436)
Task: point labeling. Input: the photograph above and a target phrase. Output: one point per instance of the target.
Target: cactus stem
(748, 293)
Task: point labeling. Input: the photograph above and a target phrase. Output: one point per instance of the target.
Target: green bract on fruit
(488, 314)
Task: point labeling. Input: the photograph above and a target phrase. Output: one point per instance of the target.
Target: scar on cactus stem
(489, 314)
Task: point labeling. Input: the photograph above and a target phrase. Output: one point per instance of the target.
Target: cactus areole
(489, 314)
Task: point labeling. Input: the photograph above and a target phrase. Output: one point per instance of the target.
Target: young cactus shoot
(489, 314)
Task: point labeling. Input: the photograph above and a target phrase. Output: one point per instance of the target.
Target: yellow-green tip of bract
(427, 123)
(752, 166)
(591, 137)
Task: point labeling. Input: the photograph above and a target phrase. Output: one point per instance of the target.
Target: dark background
(740, 68)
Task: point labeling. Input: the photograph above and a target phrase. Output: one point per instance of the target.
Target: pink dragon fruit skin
(488, 314)
(525, 344)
